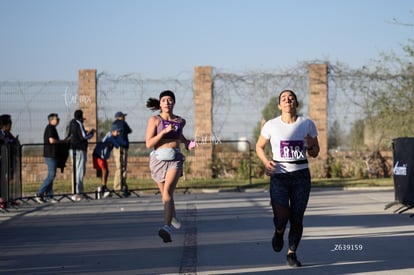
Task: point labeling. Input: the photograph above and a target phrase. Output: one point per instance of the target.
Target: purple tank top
(178, 126)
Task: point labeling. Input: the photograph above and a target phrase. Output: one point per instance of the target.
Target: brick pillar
(318, 107)
(203, 121)
(87, 99)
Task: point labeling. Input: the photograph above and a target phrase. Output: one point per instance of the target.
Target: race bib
(175, 125)
(292, 149)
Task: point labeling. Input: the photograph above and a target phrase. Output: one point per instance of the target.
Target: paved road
(346, 232)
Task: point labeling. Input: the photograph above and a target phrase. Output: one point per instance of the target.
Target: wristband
(191, 144)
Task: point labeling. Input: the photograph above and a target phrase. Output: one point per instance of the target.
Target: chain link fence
(238, 101)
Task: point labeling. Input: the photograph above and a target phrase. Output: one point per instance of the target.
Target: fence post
(203, 122)
(87, 98)
(318, 108)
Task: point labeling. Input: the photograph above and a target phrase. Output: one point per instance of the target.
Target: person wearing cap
(51, 155)
(165, 135)
(102, 152)
(292, 138)
(121, 153)
(78, 150)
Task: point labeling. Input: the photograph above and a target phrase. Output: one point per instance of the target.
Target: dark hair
(78, 114)
(291, 92)
(154, 104)
(51, 116)
(5, 120)
(167, 93)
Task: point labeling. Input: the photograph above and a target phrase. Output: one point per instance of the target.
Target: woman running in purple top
(165, 134)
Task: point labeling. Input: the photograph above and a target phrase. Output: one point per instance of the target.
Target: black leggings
(289, 195)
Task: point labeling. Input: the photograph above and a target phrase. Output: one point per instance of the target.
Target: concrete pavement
(346, 232)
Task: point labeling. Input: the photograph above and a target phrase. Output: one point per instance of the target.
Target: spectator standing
(51, 155)
(121, 153)
(78, 151)
(6, 137)
(13, 147)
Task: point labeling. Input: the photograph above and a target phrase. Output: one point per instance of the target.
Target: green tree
(269, 111)
(392, 109)
(335, 138)
(356, 135)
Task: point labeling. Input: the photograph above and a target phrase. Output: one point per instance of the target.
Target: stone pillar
(87, 98)
(318, 108)
(203, 121)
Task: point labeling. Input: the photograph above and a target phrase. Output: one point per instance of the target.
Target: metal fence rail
(231, 159)
(10, 172)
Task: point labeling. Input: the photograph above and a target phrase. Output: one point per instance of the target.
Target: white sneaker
(106, 194)
(175, 223)
(76, 197)
(39, 200)
(52, 200)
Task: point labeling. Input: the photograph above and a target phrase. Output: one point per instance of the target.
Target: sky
(49, 40)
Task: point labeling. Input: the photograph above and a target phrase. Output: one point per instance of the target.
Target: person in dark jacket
(50, 153)
(121, 153)
(6, 137)
(78, 151)
(12, 145)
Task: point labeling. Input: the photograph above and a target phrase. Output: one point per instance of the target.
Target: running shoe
(277, 241)
(165, 234)
(292, 260)
(76, 197)
(39, 199)
(175, 223)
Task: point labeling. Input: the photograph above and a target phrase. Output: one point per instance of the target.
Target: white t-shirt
(288, 142)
